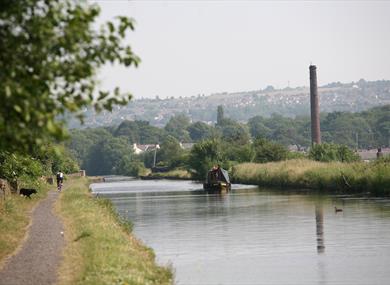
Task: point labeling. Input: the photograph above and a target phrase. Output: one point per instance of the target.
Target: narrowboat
(217, 180)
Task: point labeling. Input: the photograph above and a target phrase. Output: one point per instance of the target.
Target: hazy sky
(202, 47)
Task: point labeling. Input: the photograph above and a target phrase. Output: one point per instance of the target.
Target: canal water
(257, 236)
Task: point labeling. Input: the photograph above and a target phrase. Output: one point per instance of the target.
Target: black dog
(27, 192)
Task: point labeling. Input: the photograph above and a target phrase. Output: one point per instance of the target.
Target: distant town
(291, 102)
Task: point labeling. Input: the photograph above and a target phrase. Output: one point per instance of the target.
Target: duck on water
(217, 180)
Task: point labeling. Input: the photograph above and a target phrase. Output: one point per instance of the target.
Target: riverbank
(15, 217)
(358, 177)
(100, 247)
(177, 174)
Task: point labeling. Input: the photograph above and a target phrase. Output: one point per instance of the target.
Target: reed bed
(357, 177)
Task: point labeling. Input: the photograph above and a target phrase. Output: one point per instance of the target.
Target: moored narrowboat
(217, 180)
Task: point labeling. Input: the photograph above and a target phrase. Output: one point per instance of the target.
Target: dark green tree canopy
(200, 131)
(177, 127)
(220, 115)
(140, 132)
(49, 55)
(203, 156)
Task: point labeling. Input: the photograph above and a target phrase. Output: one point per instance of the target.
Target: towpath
(40, 255)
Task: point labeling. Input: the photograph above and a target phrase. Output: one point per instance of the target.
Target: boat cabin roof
(218, 174)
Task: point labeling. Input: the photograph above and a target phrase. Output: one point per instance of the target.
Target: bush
(203, 156)
(267, 151)
(332, 152)
(14, 167)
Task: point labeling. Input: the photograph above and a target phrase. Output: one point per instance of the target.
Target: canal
(257, 236)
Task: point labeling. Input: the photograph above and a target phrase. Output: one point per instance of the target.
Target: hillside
(290, 102)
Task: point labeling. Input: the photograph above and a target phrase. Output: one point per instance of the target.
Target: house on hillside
(144, 147)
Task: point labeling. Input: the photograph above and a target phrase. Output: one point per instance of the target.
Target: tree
(257, 127)
(200, 131)
(170, 152)
(203, 156)
(220, 115)
(49, 54)
(177, 127)
(81, 141)
(128, 129)
(109, 156)
(236, 134)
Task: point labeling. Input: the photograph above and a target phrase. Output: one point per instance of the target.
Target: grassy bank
(358, 177)
(100, 248)
(173, 174)
(15, 216)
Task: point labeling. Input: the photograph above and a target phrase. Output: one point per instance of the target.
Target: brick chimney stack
(314, 107)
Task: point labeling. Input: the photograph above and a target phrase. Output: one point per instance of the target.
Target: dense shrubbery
(332, 152)
(266, 151)
(14, 167)
(27, 168)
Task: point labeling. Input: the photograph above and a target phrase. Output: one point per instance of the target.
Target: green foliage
(220, 115)
(14, 167)
(235, 133)
(110, 156)
(49, 54)
(62, 159)
(140, 132)
(230, 130)
(129, 166)
(332, 152)
(238, 153)
(177, 127)
(170, 152)
(296, 155)
(81, 141)
(199, 131)
(266, 151)
(203, 156)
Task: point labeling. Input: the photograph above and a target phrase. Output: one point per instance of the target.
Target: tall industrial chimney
(314, 107)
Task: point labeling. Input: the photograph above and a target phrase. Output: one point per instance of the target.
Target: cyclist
(60, 179)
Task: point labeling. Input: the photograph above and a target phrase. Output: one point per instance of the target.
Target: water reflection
(319, 209)
(258, 236)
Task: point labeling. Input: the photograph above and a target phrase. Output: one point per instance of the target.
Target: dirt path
(38, 260)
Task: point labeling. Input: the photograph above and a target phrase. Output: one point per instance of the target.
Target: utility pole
(155, 154)
(357, 140)
(154, 158)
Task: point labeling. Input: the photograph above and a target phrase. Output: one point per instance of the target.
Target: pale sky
(202, 47)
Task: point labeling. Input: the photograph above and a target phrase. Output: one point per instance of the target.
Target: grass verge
(15, 217)
(100, 248)
(358, 177)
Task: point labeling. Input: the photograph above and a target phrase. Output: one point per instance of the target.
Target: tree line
(110, 150)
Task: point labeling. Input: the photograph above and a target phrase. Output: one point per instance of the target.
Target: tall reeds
(356, 177)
